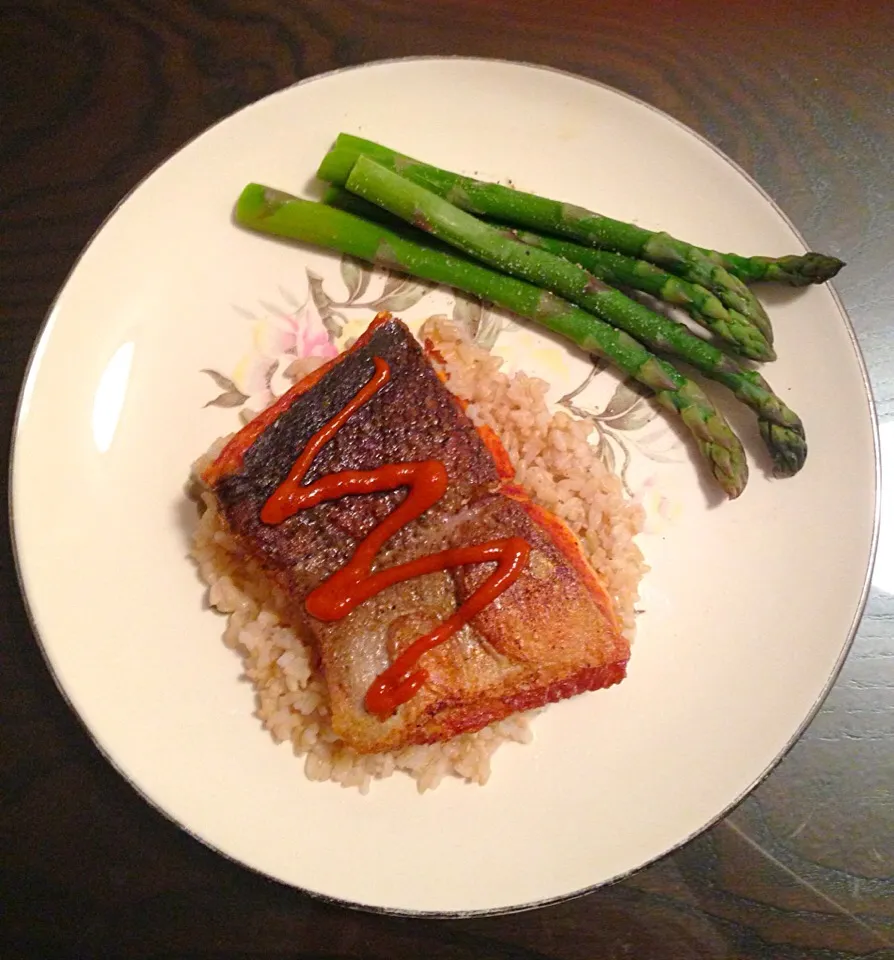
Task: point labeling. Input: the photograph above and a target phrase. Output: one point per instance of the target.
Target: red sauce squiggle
(347, 588)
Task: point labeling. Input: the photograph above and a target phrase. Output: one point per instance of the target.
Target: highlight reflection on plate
(749, 606)
(110, 393)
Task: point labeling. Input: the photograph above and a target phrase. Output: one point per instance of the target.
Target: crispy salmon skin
(550, 635)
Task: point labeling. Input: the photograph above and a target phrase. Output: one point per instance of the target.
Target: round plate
(170, 324)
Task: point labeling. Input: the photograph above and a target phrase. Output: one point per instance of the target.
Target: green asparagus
(271, 211)
(351, 203)
(623, 271)
(516, 208)
(615, 269)
(501, 250)
(797, 270)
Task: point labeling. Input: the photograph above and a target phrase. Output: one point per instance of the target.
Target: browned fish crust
(551, 635)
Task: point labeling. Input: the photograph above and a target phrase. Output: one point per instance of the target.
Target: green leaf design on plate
(628, 408)
(488, 329)
(356, 276)
(392, 282)
(634, 419)
(231, 398)
(225, 383)
(401, 297)
(332, 322)
(622, 400)
(605, 452)
(467, 313)
(480, 322)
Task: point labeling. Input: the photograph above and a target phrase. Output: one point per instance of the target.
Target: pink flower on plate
(298, 334)
(280, 343)
(277, 340)
(311, 337)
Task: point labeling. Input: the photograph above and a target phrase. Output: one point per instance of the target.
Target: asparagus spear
(620, 270)
(271, 211)
(615, 269)
(351, 203)
(551, 216)
(499, 249)
(784, 440)
(797, 270)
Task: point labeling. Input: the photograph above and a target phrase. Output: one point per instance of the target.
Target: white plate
(750, 605)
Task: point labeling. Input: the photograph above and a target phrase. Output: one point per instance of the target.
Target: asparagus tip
(818, 267)
(787, 446)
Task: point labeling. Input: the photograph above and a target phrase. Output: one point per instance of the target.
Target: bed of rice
(560, 469)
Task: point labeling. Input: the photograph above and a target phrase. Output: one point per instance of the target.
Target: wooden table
(95, 94)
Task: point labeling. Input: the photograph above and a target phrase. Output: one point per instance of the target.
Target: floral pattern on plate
(628, 425)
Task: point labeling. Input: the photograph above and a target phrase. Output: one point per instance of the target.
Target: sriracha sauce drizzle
(347, 588)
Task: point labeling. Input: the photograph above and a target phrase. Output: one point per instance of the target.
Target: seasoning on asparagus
(797, 270)
(517, 208)
(501, 250)
(271, 211)
(615, 269)
(623, 271)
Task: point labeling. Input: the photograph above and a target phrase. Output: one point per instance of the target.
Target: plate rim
(32, 367)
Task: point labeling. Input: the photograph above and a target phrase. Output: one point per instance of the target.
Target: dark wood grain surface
(94, 94)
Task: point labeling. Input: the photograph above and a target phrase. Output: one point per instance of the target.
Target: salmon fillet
(552, 634)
